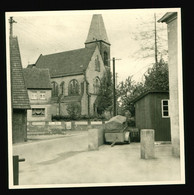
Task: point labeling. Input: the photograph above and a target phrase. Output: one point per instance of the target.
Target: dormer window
(97, 64)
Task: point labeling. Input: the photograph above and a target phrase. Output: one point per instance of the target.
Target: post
(16, 161)
(114, 95)
(11, 21)
(147, 144)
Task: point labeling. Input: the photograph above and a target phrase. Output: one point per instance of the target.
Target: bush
(73, 110)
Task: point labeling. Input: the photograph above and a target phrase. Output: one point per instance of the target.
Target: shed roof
(66, 63)
(37, 78)
(146, 93)
(20, 99)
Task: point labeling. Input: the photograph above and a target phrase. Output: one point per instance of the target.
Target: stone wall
(41, 128)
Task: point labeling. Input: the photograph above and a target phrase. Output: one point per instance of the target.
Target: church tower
(97, 36)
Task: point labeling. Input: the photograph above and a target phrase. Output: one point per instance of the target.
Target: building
(19, 95)
(170, 18)
(39, 91)
(152, 112)
(76, 74)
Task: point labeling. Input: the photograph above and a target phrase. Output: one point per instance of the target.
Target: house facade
(170, 18)
(39, 91)
(19, 96)
(152, 112)
(76, 74)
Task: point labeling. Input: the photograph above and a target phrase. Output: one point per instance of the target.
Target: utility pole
(11, 21)
(114, 93)
(155, 35)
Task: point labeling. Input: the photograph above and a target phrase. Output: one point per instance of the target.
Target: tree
(156, 77)
(151, 37)
(127, 91)
(105, 95)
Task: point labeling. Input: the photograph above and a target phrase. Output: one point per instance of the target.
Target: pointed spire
(97, 30)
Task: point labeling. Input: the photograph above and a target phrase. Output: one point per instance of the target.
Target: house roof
(169, 16)
(66, 63)
(146, 93)
(97, 30)
(37, 78)
(19, 93)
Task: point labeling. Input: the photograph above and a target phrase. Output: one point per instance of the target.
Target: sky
(47, 32)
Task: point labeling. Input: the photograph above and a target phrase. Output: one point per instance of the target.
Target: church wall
(91, 74)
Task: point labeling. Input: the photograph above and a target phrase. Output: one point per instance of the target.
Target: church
(76, 74)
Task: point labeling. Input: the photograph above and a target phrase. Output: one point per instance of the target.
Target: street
(66, 160)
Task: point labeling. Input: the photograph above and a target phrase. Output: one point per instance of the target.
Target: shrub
(73, 110)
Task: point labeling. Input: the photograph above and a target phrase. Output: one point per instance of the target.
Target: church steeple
(97, 30)
(97, 36)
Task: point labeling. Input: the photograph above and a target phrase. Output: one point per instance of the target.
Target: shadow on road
(61, 156)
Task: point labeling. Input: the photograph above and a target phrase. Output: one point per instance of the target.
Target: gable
(66, 63)
(19, 93)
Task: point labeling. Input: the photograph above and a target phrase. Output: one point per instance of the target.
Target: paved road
(67, 161)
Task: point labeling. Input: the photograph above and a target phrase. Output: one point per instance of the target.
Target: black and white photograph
(94, 98)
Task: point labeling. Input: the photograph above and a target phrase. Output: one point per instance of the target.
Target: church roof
(19, 93)
(97, 30)
(36, 78)
(66, 63)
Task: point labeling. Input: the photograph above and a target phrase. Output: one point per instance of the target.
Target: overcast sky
(52, 32)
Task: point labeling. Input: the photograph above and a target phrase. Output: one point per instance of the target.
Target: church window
(97, 64)
(73, 87)
(96, 85)
(62, 85)
(54, 89)
(105, 58)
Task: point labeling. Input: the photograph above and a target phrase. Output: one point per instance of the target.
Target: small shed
(152, 112)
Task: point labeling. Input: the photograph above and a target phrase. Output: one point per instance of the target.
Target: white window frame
(42, 95)
(34, 95)
(162, 106)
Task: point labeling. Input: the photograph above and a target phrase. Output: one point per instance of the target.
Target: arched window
(54, 89)
(97, 64)
(105, 58)
(73, 87)
(96, 85)
(62, 87)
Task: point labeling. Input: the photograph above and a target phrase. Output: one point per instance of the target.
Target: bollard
(92, 139)
(147, 144)
(16, 161)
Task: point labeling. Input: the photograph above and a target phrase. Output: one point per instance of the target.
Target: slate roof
(97, 30)
(66, 63)
(19, 93)
(36, 78)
